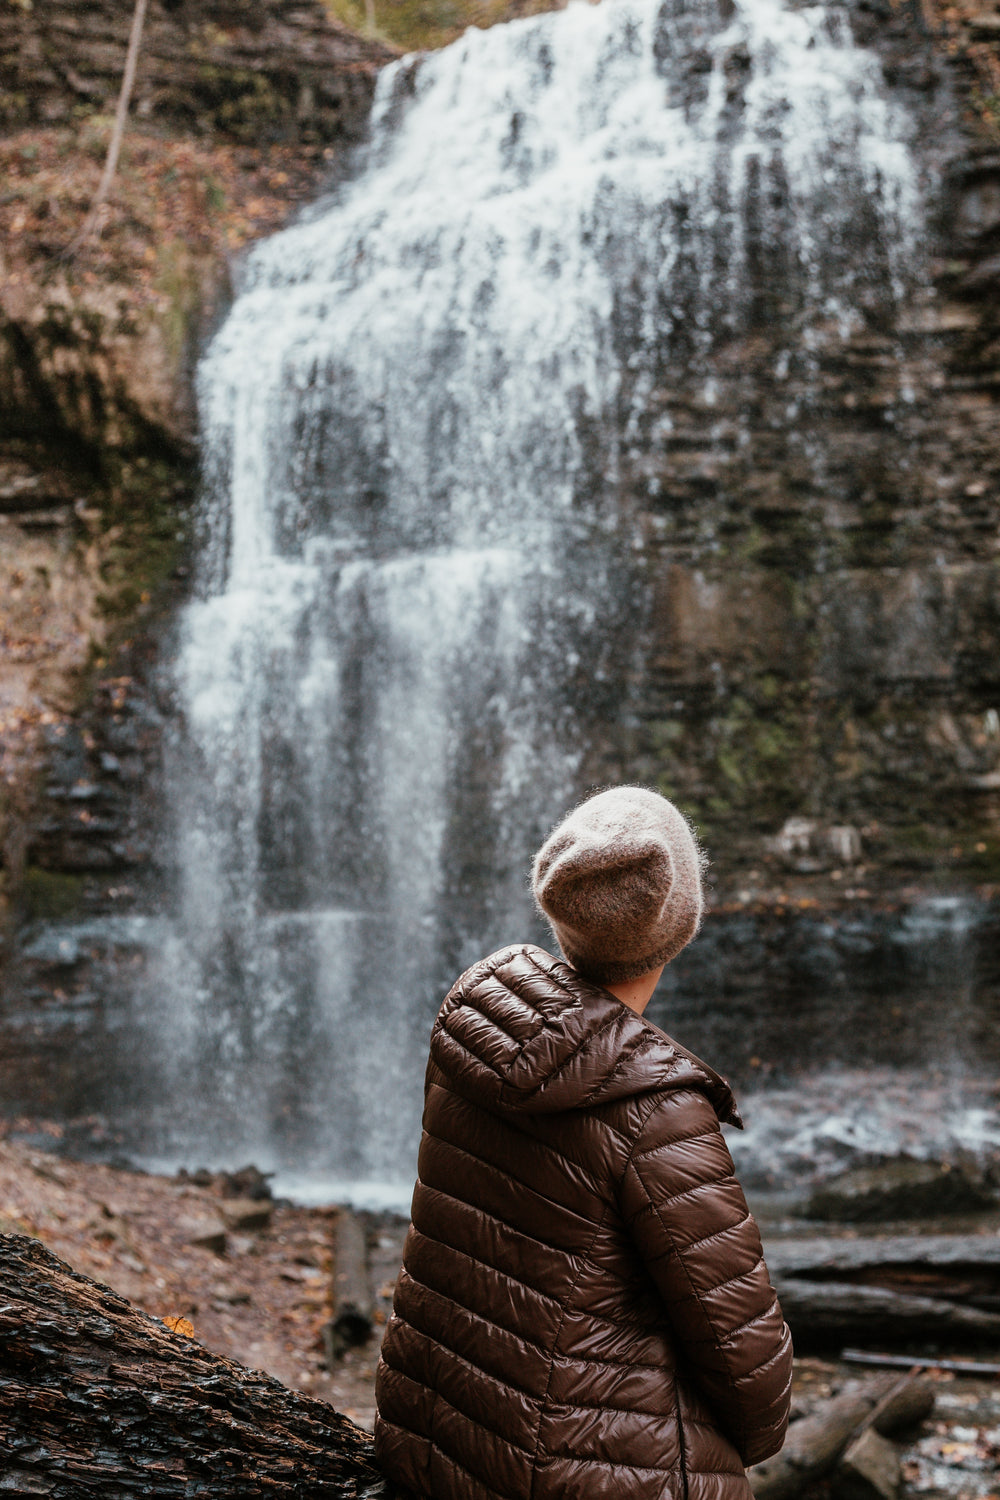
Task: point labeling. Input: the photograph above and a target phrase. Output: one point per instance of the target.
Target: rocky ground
(958, 1453)
(255, 1279)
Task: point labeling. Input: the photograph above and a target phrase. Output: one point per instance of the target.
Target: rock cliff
(239, 112)
(281, 70)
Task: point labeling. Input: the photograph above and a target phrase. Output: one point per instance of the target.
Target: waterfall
(420, 605)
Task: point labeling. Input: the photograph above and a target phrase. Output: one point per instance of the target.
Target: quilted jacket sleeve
(689, 1219)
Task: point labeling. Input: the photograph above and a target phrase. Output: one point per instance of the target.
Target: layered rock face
(237, 112)
(632, 383)
(821, 532)
(282, 70)
(822, 635)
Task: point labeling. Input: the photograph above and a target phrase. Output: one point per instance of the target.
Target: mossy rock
(49, 895)
(147, 523)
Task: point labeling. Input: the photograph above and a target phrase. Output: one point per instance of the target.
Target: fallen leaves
(179, 1325)
(208, 199)
(962, 1460)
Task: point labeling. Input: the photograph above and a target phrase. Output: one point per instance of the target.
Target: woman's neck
(636, 993)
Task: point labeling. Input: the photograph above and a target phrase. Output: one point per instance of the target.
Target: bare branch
(118, 130)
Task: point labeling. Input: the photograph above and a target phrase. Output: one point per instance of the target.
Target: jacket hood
(522, 1031)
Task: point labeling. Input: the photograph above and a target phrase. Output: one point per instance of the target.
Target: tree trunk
(98, 1401)
(943, 1257)
(829, 1314)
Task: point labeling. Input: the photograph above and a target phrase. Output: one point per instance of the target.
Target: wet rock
(200, 1177)
(805, 846)
(246, 1213)
(901, 1189)
(206, 1235)
(247, 1182)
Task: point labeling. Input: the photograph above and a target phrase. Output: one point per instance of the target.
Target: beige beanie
(620, 883)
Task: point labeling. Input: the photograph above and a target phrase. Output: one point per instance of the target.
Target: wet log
(889, 1290)
(827, 1314)
(815, 1444)
(353, 1304)
(99, 1401)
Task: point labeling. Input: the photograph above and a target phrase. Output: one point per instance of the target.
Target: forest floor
(255, 1279)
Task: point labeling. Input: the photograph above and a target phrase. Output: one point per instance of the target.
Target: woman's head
(620, 882)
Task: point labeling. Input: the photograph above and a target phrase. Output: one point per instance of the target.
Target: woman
(583, 1311)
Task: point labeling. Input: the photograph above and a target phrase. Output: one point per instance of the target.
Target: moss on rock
(416, 25)
(51, 895)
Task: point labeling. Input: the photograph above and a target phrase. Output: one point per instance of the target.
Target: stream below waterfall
(420, 617)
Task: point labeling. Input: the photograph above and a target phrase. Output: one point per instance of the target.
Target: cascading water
(421, 588)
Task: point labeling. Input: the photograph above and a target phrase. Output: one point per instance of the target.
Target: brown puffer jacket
(584, 1311)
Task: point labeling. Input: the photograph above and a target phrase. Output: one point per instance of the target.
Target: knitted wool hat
(620, 883)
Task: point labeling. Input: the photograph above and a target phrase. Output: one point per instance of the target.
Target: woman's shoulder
(522, 1030)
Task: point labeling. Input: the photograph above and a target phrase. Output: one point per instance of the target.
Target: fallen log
(353, 1305)
(868, 1469)
(928, 1362)
(954, 1256)
(888, 1290)
(825, 1314)
(99, 1401)
(815, 1443)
